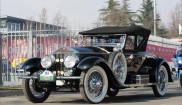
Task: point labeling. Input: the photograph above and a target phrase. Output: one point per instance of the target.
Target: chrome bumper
(57, 77)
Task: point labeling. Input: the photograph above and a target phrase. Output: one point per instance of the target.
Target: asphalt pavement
(131, 96)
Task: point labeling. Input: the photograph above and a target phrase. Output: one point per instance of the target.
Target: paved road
(132, 96)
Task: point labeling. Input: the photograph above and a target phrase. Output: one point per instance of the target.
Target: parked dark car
(178, 64)
(110, 58)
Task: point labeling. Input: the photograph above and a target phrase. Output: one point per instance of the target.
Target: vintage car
(178, 64)
(109, 59)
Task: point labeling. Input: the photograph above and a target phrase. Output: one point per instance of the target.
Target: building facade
(9, 23)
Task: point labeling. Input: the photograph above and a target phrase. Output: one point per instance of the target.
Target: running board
(57, 77)
(139, 85)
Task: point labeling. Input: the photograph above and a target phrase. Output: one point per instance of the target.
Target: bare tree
(29, 23)
(43, 19)
(175, 17)
(60, 21)
(57, 20)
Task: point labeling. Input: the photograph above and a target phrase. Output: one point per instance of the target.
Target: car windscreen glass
(104, 40)
(179, 53)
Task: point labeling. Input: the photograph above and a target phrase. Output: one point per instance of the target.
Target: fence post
(1, 59)
(30, 44)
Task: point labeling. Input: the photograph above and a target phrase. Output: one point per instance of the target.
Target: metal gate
(17, 46)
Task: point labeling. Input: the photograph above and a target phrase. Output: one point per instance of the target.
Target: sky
(78, 13)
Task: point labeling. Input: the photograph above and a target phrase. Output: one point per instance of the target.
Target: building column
(1, 59)
(30, 44)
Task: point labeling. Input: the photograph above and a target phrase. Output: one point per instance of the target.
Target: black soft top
(131, 30)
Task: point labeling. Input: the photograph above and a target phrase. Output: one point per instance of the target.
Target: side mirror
(174, 56)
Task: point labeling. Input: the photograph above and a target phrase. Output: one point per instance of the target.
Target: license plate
(47, 76)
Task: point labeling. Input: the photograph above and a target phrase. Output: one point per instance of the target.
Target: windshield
(104, 40)
(179, 53)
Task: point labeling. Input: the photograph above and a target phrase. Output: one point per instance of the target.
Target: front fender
(32, 65)
(89, 62)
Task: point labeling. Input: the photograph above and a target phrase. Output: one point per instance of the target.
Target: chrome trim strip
(27, 77)
(20, 70)
(70, 77)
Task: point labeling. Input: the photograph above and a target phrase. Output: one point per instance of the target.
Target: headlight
(180, 61)
(47, 61)
(70, 61)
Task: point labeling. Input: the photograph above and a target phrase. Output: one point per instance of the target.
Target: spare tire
(117, 62)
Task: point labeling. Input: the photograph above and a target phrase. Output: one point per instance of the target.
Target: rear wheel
(33, 92)
(161, 88)
(180, 80)
(94, 85)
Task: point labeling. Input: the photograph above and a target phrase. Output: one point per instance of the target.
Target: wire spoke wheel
(119, 67)
(162, 76)
(34, 92)
(180, 79)
(94, 85)
(35, 89)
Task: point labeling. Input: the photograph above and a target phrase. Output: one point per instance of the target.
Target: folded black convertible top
(134, 30)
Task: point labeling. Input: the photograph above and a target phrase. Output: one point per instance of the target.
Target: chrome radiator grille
(59, 64)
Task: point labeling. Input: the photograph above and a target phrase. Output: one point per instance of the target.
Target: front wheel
(33, 92)
(94, 84)
(161, 88)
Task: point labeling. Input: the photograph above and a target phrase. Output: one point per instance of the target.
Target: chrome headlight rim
(70, 61)
(48, 64)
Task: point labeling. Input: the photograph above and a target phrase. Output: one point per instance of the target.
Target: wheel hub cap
(95, 84)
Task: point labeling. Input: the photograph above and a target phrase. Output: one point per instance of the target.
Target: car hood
(88, 49)
(179, 58)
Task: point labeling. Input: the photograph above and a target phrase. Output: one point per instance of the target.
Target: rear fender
(156, 64)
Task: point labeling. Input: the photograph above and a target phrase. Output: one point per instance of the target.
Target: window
(130, 43)
(86, 41)
(139, 40)
(13, 26)
(154, 48)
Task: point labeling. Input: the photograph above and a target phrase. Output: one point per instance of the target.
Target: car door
(134, 57)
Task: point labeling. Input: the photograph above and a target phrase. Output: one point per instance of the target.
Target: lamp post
(180, 22)
(155, 27)
(0, 49)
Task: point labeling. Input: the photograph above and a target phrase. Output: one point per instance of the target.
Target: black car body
(110, 58)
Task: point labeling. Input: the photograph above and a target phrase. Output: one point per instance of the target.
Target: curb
(10, 92)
